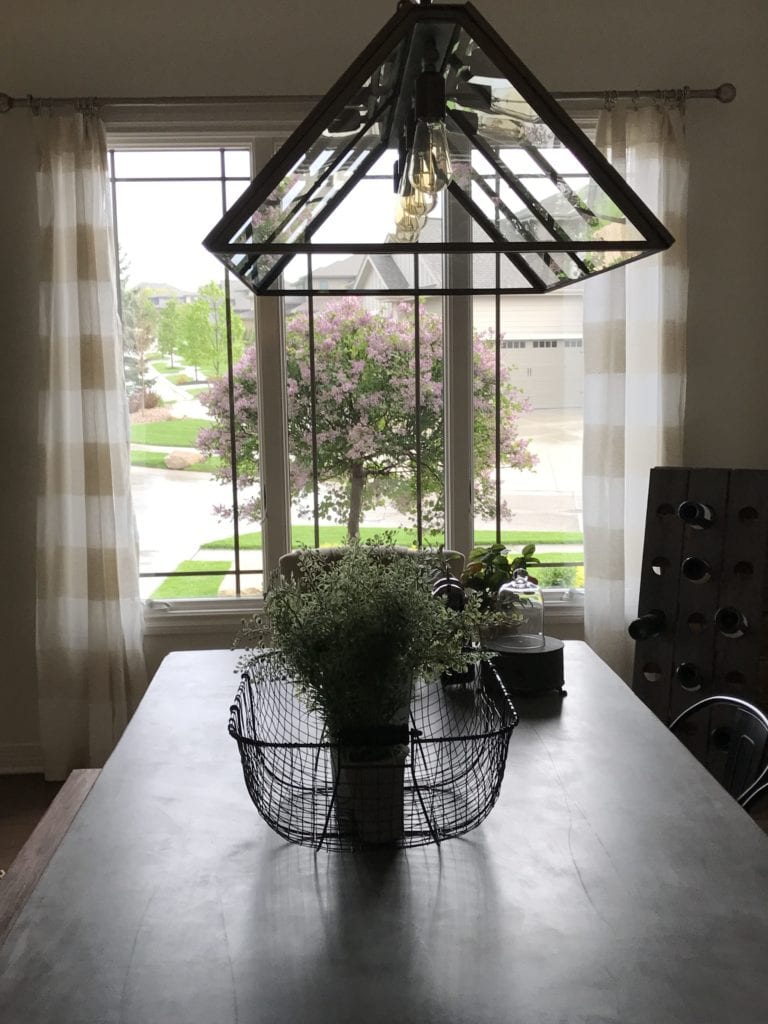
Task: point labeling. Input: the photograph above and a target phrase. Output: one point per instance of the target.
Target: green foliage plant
(490, 567)
(203, 331)
(354, 630)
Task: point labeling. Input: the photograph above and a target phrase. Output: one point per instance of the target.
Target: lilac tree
(365, 414)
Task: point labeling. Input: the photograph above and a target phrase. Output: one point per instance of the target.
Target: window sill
(561, 606)
(564, 605)
(198, 616)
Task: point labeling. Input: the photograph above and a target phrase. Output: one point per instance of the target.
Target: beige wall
(90, 47)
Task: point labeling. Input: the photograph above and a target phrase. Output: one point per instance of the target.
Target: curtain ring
(610, 98)
(88, 106)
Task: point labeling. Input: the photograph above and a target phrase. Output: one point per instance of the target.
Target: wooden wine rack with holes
(735, 546)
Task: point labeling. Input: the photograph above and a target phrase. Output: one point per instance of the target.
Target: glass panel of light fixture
(522, 220)
(484, 273)
(261, 266)
(323, 157)
(544, 266)
(516, 219)
(365, 216)
(294, 274)
(510, 126)
(281, 206)
(564, 161)
(512, 277)
(518, 161)
(606, 260)
(306, 215)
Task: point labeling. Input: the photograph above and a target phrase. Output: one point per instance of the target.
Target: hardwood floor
(24, 799)
(51, 821)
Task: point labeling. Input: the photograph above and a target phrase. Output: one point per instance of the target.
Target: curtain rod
(725, 93)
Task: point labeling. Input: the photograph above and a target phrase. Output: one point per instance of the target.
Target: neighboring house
(334, 277)
(161, 294)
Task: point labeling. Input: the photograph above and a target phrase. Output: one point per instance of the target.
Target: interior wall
(18, 430)
(89, 48)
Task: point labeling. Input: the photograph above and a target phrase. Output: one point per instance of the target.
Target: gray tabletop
(613, 883)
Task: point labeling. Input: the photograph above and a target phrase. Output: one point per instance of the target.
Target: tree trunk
(356, 484)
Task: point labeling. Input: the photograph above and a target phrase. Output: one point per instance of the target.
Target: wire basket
(434, 778)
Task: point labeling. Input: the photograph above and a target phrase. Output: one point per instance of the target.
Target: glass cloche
(521, 602)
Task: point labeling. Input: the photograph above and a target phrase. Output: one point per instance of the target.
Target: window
(196, 380)
(184, 324)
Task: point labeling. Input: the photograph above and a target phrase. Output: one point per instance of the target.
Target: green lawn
(193, 586)
(208, 586)
(333, 535)
(170, 433)
(162, 367)
(156, 460)
(563, 576)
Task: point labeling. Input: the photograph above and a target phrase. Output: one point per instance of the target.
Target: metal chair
(756, 796)
(729, 737)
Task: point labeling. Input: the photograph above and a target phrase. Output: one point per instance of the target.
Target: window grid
(223, 179)
(501, 343)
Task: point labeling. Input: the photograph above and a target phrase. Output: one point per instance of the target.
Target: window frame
(261, 128)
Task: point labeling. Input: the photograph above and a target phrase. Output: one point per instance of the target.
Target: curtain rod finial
(6, 103)
(726, 92)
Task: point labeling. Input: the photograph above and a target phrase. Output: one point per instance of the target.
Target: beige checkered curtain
(89, 619)
(634, 389)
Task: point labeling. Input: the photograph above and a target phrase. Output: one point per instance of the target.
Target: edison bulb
(429, 166)
(414, 201)
(405, 219)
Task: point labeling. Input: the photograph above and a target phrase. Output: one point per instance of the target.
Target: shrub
(151, 400)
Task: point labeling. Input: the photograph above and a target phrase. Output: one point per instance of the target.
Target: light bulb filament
(429, 166)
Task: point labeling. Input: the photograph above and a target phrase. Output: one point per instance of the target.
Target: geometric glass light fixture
(437, 142)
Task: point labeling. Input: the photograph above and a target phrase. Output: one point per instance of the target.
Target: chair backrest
(756, 797)
(289, 562)
(730, 738)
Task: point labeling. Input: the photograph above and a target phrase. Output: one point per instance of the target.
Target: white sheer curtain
(634, 391)
(91, 669)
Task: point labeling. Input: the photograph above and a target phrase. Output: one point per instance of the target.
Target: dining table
(614, 882)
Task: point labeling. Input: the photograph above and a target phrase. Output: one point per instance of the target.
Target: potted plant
(512, 601)
(489, 568)
(354, 630)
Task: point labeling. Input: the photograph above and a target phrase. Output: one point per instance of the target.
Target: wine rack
(703, 589)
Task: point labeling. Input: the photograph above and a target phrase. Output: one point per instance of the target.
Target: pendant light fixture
(428, 164)
(439, 96)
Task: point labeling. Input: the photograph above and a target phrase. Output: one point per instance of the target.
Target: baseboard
(21, 758)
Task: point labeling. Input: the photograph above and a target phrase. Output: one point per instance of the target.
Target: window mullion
(273, 432)
(458, 388)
